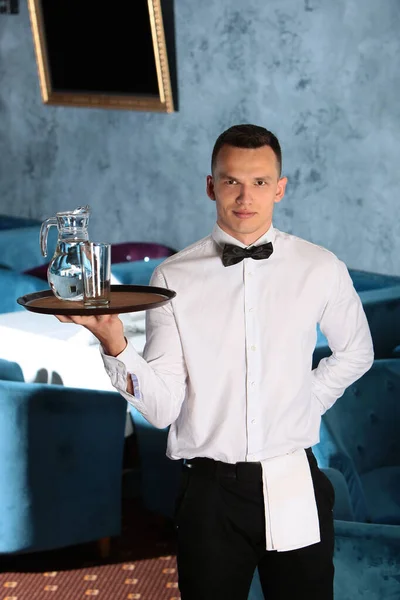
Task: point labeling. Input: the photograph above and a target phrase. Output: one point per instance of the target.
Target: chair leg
(104, 546)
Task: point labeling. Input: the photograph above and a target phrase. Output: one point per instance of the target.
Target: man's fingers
(86, 321)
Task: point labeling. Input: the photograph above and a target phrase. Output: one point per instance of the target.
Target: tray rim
(102, 310)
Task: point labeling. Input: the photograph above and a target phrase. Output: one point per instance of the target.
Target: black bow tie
(232, 255)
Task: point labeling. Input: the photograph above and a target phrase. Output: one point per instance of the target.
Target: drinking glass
(96, 273)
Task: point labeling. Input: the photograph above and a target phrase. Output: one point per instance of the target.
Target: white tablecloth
(52, 352)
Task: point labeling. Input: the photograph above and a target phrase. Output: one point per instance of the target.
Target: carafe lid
(81, 210)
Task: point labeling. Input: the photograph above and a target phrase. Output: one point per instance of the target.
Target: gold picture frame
(160, 99)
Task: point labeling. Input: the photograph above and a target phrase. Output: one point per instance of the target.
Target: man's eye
(260, 182)
(231, 182)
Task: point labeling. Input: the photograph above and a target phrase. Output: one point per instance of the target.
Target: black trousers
(221, 537)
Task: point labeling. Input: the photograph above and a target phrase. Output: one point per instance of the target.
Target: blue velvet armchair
(61, 455)
(367, 556)
(382, 309)
(360, 438)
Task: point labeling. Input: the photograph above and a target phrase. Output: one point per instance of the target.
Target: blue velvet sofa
(61, 455)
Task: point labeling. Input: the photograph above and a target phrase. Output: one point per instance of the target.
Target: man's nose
(244, 196)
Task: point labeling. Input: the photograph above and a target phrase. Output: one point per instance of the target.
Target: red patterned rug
(141, 566)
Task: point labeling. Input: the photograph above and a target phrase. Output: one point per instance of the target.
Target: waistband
(209, 467)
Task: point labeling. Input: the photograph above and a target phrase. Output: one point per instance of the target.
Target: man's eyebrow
(227, 176)
(263, 177)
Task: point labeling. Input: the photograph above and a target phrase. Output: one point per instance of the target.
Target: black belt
(215, 468)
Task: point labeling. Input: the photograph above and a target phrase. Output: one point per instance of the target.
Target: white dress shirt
(227, 364)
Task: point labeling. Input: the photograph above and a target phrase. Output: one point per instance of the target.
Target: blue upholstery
(7, 222)
(382, 308)
(20, 247)
(367, 561)
(19, 251)
(365, 280)
(10, 371)
(360, 437)
(13, 285)
(136, 272)
(60, 465)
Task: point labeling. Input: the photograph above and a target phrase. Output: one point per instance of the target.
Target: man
(228, 365)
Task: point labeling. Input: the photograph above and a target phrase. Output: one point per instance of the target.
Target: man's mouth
(243, 215)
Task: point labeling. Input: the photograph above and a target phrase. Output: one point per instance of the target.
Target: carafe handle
(44, 230)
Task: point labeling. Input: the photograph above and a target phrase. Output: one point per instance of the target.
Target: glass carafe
(64, 273)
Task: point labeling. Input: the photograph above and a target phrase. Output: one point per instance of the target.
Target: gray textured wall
(322, 75)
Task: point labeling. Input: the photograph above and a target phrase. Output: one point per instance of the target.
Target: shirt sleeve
(159, 378)
(346, 328)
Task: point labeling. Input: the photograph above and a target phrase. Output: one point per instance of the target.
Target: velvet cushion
(382, 494)
(367, 561)
(20, 248)
(13, 285)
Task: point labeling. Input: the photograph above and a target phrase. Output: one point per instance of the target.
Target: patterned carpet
(141, 566)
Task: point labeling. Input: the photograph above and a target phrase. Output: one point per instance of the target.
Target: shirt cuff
(119, 367)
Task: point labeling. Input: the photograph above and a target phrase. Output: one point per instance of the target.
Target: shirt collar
(222, 238)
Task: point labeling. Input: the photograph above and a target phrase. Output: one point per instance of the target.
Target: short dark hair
(247, 136)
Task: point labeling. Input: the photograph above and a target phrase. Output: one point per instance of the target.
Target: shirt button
(253, 348)
(251, 309)
(253, 421)
(250, 274)
(252, 383)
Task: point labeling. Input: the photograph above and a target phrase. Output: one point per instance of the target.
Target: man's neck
(246, 239)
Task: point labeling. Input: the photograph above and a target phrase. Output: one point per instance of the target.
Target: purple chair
(120, 253)
(131, 251)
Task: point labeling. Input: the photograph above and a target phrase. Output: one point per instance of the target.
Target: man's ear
(280, 190)
(210, 187)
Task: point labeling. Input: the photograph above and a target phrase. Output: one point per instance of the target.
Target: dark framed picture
(111, 55)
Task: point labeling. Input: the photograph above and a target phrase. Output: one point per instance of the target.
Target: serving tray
(123, 299)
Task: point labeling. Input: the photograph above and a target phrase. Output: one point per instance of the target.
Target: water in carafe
(65, 274)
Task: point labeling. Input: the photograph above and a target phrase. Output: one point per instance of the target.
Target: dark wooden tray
(123, 299)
